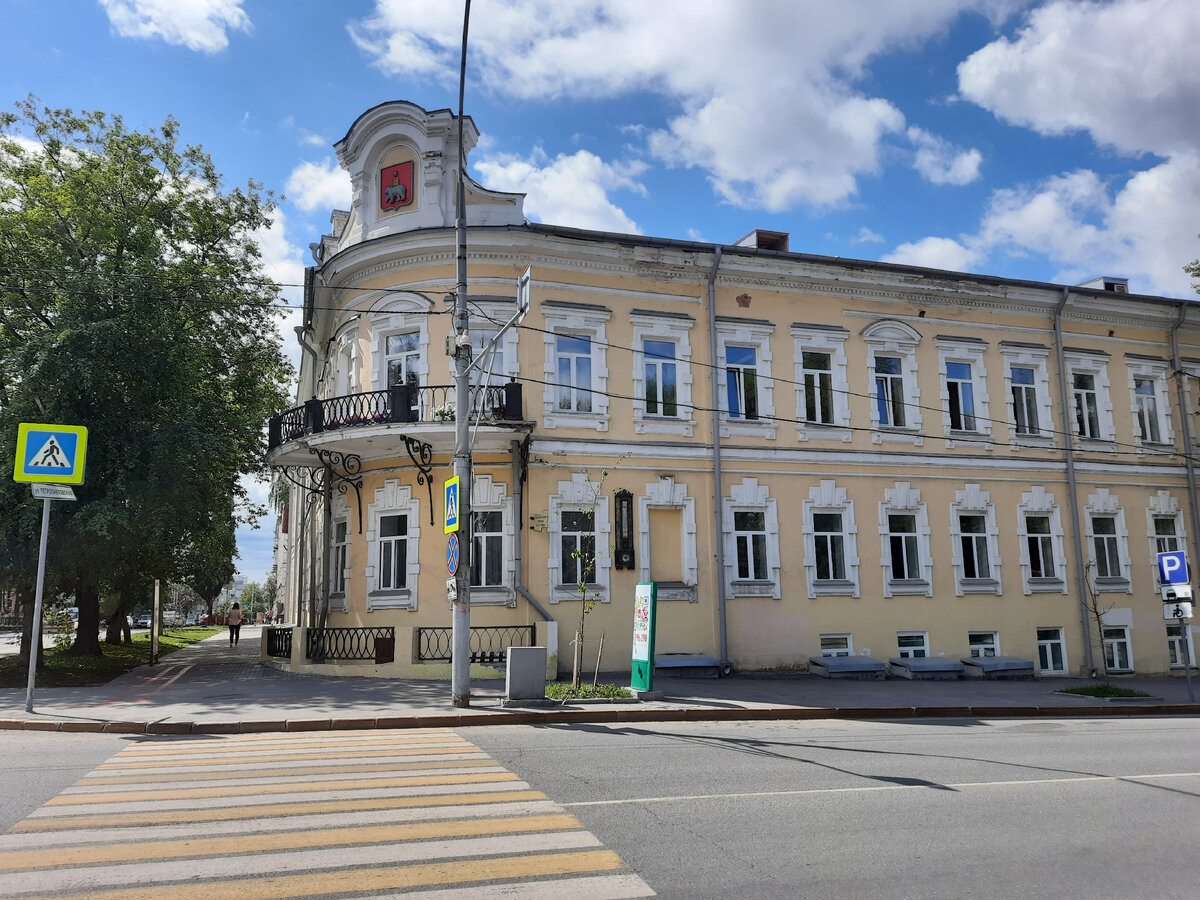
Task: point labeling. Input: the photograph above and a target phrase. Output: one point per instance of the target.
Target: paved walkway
(210, 687)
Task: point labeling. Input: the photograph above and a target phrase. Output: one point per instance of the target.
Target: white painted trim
(827, 497)
(392, 499)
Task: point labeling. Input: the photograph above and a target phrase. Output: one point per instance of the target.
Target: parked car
(144, 621)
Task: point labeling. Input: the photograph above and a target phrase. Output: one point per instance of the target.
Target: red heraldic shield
(395, 185)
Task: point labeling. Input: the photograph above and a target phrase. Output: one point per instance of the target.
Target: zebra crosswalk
(420, 813)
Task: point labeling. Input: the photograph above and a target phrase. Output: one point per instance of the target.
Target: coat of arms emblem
(395, 185)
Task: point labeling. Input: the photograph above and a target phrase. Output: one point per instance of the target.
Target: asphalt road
(1035, 808)
(950, 808)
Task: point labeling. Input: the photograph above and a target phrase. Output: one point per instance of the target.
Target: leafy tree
(132, 301)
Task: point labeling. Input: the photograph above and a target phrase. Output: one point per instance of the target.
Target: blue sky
(1054, 140)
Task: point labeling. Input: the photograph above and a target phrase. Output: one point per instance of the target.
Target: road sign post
(1177, 604)
(47, 456)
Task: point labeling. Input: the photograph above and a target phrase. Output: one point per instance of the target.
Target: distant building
(811, 456)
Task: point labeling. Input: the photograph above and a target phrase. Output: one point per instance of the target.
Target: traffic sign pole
(35, 640)
(1187, 657)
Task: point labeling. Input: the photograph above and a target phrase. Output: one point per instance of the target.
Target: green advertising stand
(645, 606)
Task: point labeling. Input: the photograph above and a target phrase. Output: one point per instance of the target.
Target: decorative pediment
(665, 492)
(827, 494)
(891, 332)
(392, 495)
(1037, 500)
(485, 492)
(973, 498)
(1103, 502)
(749, 493)
(1163, 504)
(902, 496)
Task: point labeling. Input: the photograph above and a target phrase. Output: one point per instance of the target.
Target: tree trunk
(87, 634)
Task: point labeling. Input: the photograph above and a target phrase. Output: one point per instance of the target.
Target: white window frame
(490, 496)
(1096, 365)
(977, 648)
(1046, 643)
(827, 497)
(576, 320)
(908, 652)
(1109, 638)
(967, 352)
(1163, 505)
(754, 333)
(345, 361)
(397, 314)
(667, 494)
(1029, 356)
(393, 498)
(846, 648)
(1104, 504)
(487, 317)
(903, 500)
(830, 340)
(339, 563)
(575, 495)
(1154, 371)
(1039, 502)
(1175, 645)
(972, 501)
(750, 496)
(892, 338)
(674, 328)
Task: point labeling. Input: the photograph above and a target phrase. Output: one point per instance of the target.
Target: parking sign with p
(1172, 568)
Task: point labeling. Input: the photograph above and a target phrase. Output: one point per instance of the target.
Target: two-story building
(810, 456)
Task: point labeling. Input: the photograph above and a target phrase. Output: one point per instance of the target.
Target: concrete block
(525, 678)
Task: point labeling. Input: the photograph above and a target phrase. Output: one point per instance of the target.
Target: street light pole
(460, 676)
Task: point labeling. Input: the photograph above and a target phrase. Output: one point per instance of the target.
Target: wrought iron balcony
(398, 404)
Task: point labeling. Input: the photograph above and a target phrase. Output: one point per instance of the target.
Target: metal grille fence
(345, 643)
(279, 643)
(489, 643)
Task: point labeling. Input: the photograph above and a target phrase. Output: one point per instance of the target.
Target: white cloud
(568, 190)
(308, 139)
(196, 24)
(935, 253)
(867, 236)
(1123, 71)
(324, 185)
(767, 95)
(283, 261)
(940, 162)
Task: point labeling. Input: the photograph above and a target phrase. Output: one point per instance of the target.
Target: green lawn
(63, 670)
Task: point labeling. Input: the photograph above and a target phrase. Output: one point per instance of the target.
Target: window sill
(891, 434)
(676, 590)
(762, 427)
(491, 596)
(907, 586)
(753, 588)
(1098, 445)
(404, 599)
(979, 585)
(1048, 585)
(823, 431)
(664, 425)
(1113, 584)
(555, 418)
(834, 587)
(570, 592)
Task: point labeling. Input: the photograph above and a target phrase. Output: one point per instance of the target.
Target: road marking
(341, 819)
(1080, 779)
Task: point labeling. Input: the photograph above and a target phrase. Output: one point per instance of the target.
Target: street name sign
(52, 492)
(1172, 567)
(50, 454)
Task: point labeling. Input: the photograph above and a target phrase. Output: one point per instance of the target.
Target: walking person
(235, 623)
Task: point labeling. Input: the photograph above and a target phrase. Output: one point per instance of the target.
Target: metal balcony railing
(489, 643)
(400, 403)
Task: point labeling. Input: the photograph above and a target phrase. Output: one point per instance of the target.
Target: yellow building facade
(810, 456)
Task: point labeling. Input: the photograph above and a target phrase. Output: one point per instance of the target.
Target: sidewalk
(212, 688)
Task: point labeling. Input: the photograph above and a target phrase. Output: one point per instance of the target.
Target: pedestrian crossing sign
(50, 454)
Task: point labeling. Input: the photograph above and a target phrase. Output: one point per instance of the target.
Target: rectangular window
(830, 544)
(1087, 416)
(578, 535)
(340, 549)
(403, 356)
(741, 382)
(750, 531)
(889, 391)
(1041, 547)
(902, 538)
(1104, 539)
(661, 387)
(836, 645)
(1180, 653)
(962, 396)
(1147, 409)
(983, 643)
(818, 387)
(573, 354)
(1052, 650)
(1117, 654)
(912, 644)
(1024, 397)
(487, 553)
(393, 552)
(1165, 538)
(973, 535)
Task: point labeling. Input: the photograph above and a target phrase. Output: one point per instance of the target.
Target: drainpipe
(718, 490)
(1069, 440)
(1185, 424)
(519, 499)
